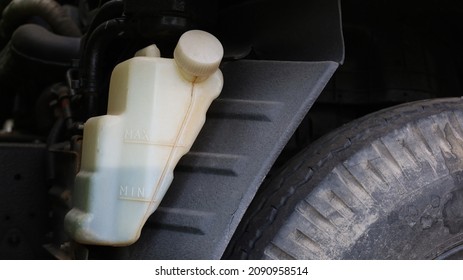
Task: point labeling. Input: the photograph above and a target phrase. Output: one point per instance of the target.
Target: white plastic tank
(156, 109)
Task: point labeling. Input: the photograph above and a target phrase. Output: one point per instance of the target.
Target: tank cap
(198, 53)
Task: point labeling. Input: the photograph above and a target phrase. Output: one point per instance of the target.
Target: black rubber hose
(36, 43)
(53, 137)
(93, 60)
(110, 10)
(3, 4)
(18, 11)
(32, 47)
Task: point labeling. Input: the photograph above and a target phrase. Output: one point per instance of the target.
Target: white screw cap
(198, 54)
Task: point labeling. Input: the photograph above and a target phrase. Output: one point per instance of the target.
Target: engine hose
(93, 60)
(3, 4)
(53, 137)
(109, 10)
(35, 43)
(18, 11)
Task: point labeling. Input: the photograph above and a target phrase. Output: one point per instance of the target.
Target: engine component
(93, 62)
(156, 109)
(36, 43)
(20, 10)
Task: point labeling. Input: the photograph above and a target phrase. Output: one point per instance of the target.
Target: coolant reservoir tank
(156, 109)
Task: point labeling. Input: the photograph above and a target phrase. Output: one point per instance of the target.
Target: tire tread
(327, 173)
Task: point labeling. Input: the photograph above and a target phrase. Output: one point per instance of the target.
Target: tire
(386, 186)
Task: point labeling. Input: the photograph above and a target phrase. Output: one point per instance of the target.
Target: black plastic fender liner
(260, 107)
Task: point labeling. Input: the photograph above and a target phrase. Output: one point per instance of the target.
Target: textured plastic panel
(24, 212)
(260, 107)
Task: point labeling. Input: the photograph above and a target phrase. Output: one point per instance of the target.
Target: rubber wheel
(386, 186)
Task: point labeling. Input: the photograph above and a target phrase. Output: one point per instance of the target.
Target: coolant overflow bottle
(156, 109)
